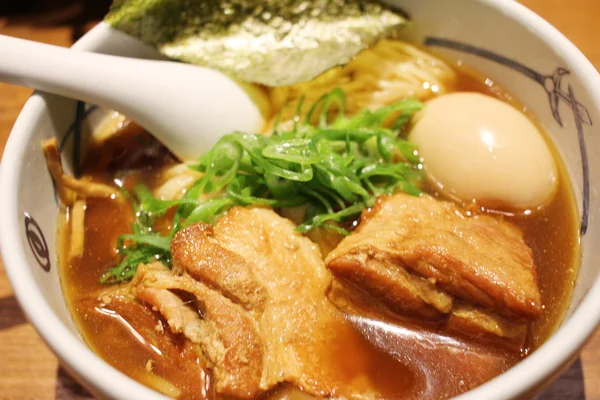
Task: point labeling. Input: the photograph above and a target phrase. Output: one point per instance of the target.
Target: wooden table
(28, 370)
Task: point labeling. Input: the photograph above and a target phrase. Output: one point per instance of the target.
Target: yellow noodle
(175, 181)
(69, 189)
(109, 127)
(63, 232)
(77, 228)
(162, 385)
(389, 71)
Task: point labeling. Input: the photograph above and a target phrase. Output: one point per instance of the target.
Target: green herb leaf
(321, 220)
(206, 211)
(127, 268)
(149, 204)
(156, 241)
(337, 169)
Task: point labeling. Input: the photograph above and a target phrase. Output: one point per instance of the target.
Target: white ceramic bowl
(500, 38)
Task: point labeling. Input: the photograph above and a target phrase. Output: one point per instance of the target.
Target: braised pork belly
(251, 292)
(260, 312)
(424, 258)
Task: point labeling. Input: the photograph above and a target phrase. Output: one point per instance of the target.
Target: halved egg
(477, 147)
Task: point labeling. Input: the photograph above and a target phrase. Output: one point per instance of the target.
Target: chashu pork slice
(260, 315)
(197, 252)
(298, 322)
(481, 260)
(487, 326)
(228, 335)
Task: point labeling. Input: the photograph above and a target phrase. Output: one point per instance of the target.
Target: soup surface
(394, 357)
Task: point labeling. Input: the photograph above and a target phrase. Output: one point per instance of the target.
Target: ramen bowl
(502, 40)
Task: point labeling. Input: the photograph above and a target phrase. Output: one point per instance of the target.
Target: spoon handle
(60, 70)
(186, 107)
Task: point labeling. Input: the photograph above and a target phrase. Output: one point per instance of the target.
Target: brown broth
(402, 368)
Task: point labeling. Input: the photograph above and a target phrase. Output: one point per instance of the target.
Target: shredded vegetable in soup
(360, 247)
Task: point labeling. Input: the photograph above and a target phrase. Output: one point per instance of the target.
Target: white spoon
(188, 108)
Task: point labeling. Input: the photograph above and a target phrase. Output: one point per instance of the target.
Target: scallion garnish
(337, 168)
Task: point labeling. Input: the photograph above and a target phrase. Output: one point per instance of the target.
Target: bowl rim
(561, 348)
(101, 378)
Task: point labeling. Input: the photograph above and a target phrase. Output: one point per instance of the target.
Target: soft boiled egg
(476, 147)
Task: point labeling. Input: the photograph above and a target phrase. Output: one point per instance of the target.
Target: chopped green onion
(336, 168)
(156, 241)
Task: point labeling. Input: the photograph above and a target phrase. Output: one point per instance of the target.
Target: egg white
(476, 147)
